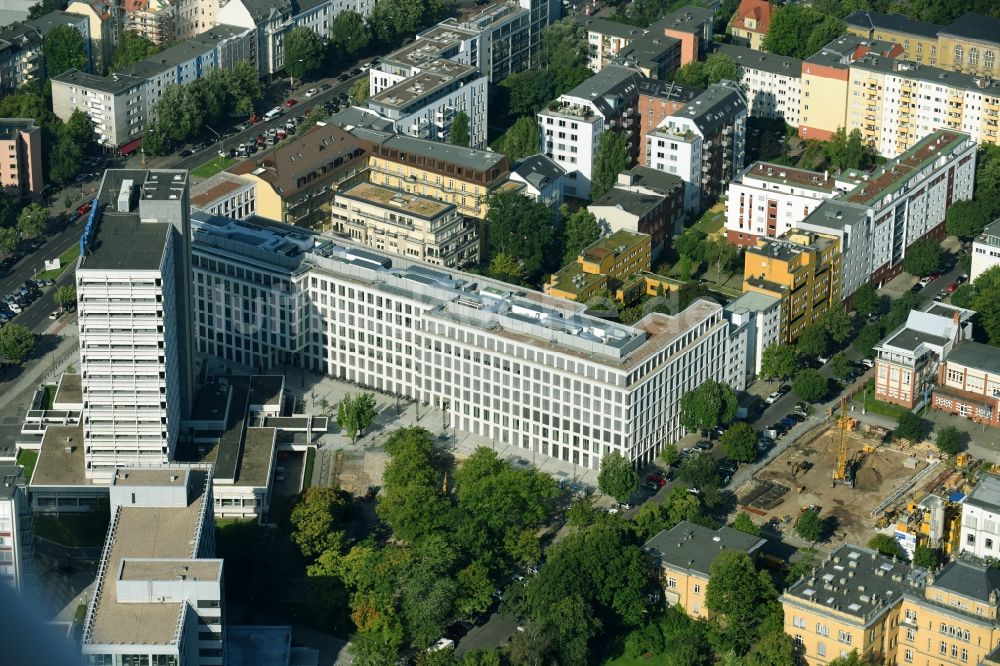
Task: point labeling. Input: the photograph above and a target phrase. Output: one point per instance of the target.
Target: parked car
(343, 77)
(868, 363)
(924, 281)
(657, 480)
(703, 445)
(290, 102)
(355, 72)
(311, 92)
(718, 431)
(83, 209)
(823, 359)
(951, 288)
(773, 398)
(916, 287)
(651, 485)
(325, 87)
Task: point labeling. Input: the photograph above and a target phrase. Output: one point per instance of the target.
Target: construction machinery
(841, 471)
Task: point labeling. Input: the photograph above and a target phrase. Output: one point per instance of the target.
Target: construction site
(857, 479)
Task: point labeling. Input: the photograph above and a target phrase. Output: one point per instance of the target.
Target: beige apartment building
(971, 45)
(20, 157)
(391, 220)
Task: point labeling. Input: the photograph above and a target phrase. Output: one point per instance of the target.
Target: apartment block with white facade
(981, 519)
(225, 194)
(513, 365)
(445, 41)
(16, 547)
(570, 128)
(985, 250)
(767, 200)
(704, 143)
(772, 83)
(761, 315)
(158, 595)
(895, 103)
(123, 104)
(133, 281)
(425, 105)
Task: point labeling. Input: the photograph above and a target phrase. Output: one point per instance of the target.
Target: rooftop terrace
(784, 175)
(398, 200)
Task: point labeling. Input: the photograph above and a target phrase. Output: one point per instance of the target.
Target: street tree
(581, 512)
(886, 545)
(739, 442)
(617, 477)
(808, 526)
(132, 47)
(79, 129)
(611, 159)
(837, 324)
(865, 300)
(744, 523)
(315, 521)
(711, 404)
(178, 114)
(965, 219)
(475, 590)
(867, 338)
(737, 592)
(303, 52)
(349, 32)
(778, 361)
(852, 659)
(653, 518)
(582, 229)
(32, 220)
(64, 49)
(154, 140)
(242, 86)
(669, 455)
(355, 413)
(460, 130)
(699, 470)
(8, 241)
(17, 342)
(923, 257)
(841, 365)
(65, 296)
(360, 89)
(948, 440)
(521, 140)
(809, 385)
(813, 341)
(911, 427)
(962, 297)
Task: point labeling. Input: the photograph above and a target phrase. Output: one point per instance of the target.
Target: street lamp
(291, 78)
(221, 139)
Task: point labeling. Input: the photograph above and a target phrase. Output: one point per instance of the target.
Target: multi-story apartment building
(101, 29)
(767, 200)
(16, 548)
(919, 39)
(425, 104)
(471, 346)
(607, 39)
(505, 40)
(850, 602)
(445, 41)
(683, 555)
(693, 27)
(570, 128)
(21, 59)
(270, 21)
(640, 209)
(397, 222)
(750, 23)
(156, 20)
(193, 17)
(226, 194)
(460, 176)
(980, 526)
(902, 201)
(296, 182)
(542, 179)
(825, 80)
(158, 596)
(122, 105)
(703, 143)
(968, 383)
(47, 22)
(657, 100)
(601, 266)
(772, 83)
(802, 269)
(21, 157)
(985, 250)
(761, 315)
(970, 44)
(896, 103)
(134, 286)
(907, 360)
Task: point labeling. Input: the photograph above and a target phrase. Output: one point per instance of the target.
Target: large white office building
(133, 288)
(158, 595)
(505, 363)
(981, 519)
(16, 546)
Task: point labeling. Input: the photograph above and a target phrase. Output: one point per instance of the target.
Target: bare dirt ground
(848, 508)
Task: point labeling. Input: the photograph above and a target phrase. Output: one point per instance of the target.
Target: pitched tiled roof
(758, 10)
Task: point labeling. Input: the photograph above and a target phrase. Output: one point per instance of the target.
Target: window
(989, 544)
(798, 622)
(908, 655)
(697, 589)
(988, 59)
(974, 57)
(943, 649)
(958, 54)
(671, 582)
(909, 633)
(821, 649)
(970, 539)
(844, 637)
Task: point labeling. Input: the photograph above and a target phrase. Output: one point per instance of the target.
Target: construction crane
(843, 422)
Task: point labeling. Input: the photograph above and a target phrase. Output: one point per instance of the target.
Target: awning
(130, 147)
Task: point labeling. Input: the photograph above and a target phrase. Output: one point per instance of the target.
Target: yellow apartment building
(683, 557)
(602, 265)
(919, 39)
(802, 269)
(971, 44)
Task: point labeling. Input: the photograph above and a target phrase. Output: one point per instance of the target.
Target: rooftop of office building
(933, 326)
(619, 242)
(766, 62)
(157, 569)
(867, 20)
(933, 75)
(836, 215)
(969, 577)
(430, 45)
(694, 547)
(910, 340)
(791, 244)
(397, 200)
(856, 581)
(986, 494)
(60, 459)
(11, 128)
(145, 532)
(425, 154)
(151, 476)
(895, 173)
(112, 85)
(784, 175)
(752, 301)
(434, 77)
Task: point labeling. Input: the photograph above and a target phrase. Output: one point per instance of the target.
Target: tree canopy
(948, 440)
(911, 427)
(738, 592)
(799, 31)
(17, 342)
(612, 158)
(865, 300)
(355, 413)
(64, 49)
(707, 406)
(521, 139)
(886, 545)
(617, 478)
(739, 442)
(349, 32)
(132, 48)
(923, 257)
(518, 226)
(460, 130)
(315, 519)
(814, 340)
(809, 385)
(809, 526)
(582, 229)
(778, 361)
(303, 52)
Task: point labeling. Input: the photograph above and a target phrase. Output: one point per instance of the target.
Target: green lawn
(214, 166)
(65, 259)
(712, 221)
(27, 459)
(83, 530)
(50, 396)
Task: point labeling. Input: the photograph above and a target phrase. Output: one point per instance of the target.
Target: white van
(272, 114)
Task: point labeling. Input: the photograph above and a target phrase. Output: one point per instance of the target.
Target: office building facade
(16, 547)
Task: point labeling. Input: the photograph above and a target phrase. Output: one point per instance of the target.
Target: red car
(290, 102)
(951, 287)
(657, 479)
(84, 209)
